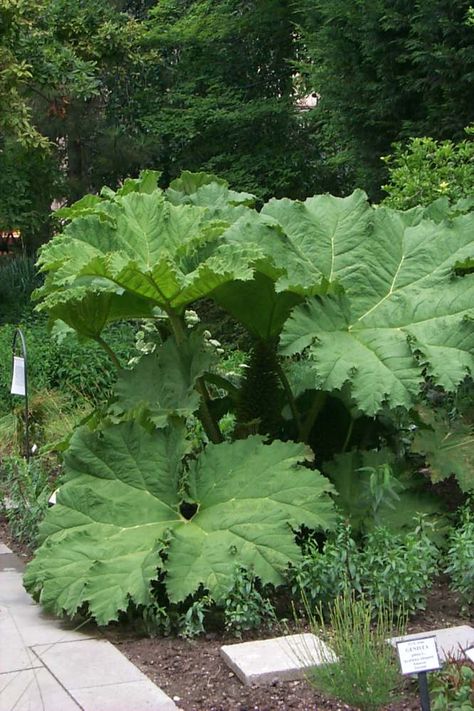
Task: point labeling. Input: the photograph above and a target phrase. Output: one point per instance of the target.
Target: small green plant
(322, 575)
(245, 607)
(390, 569)
(399, 570)
(426, 170)
(25, 488)
(366, 674)
(461, 558)
(452, 688)
(162, 620)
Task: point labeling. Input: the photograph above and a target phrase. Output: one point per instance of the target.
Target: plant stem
(348, 435)
(209, 422)
(109, 352)
(290, 399)
(316, 407)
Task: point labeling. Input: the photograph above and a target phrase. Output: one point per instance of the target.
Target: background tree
(386, 71)
(227, 98)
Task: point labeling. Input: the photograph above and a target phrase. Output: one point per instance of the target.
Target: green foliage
(390, 570)
(25, 488)
(18, 279)
(122, 507)
(366, 674)
(460, 558)
(29, 181)
(367, 301)
(245, 607)
(82, 371)
(452, 688)
(372, 491)
(393, 312)
(225, 102)
(398, 571)
(425, 170)
(447, 445)
(403, 69)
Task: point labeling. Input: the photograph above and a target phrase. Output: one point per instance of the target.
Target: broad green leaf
(448, 449)
(206, 190)
(164, 382)
(250, 496)
(402, 312)
(101, 541)
(120, 507)
(147, 249)
(322, 238)
(351, 475)
(256, 305)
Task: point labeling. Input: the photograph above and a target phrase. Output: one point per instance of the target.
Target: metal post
(424, 695)
(19, 333)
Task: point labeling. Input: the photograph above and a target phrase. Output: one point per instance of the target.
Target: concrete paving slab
(40, 628)
(283, 658)
(14, 655)
(131, 696)
(9, 563)
(34, 690)
(4, 549)
(451, 641)
(87, 663)
(12, 591)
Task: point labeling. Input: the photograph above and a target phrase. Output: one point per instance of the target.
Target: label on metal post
(18, 380)
(418, 655)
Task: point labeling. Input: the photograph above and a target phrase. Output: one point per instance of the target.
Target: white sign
(18, 380)
(418, 655)
(469, 653)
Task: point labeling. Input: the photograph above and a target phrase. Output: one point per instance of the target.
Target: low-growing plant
(323, 575)
(460, 557)
(391, 570)
(25, 488)
(366, 673)
(425, 170)
(452, 688)
(398, 570)
(245, 607)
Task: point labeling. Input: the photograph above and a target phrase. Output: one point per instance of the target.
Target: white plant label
(18, 380)
(418, 655)
(469, 653)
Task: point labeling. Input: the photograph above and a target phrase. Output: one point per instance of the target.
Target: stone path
(47, 666)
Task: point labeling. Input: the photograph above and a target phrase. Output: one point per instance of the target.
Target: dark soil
(192, 673)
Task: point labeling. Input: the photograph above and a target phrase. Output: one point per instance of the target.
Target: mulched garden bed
(192, 673)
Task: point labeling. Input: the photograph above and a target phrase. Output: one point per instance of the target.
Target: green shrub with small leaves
(389, 569)
(245, 606)
(452, 688)
(425, 170)
(25, 488)
(460, 557)
(398, 570)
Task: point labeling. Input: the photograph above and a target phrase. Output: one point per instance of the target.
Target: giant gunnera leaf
(130, 251)
(121, 508)
(401, 314)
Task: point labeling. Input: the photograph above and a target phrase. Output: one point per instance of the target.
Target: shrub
(25, 488)
(452, 688)
(245, 607)
(461, 558)
(390, 569)
(425, 170)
